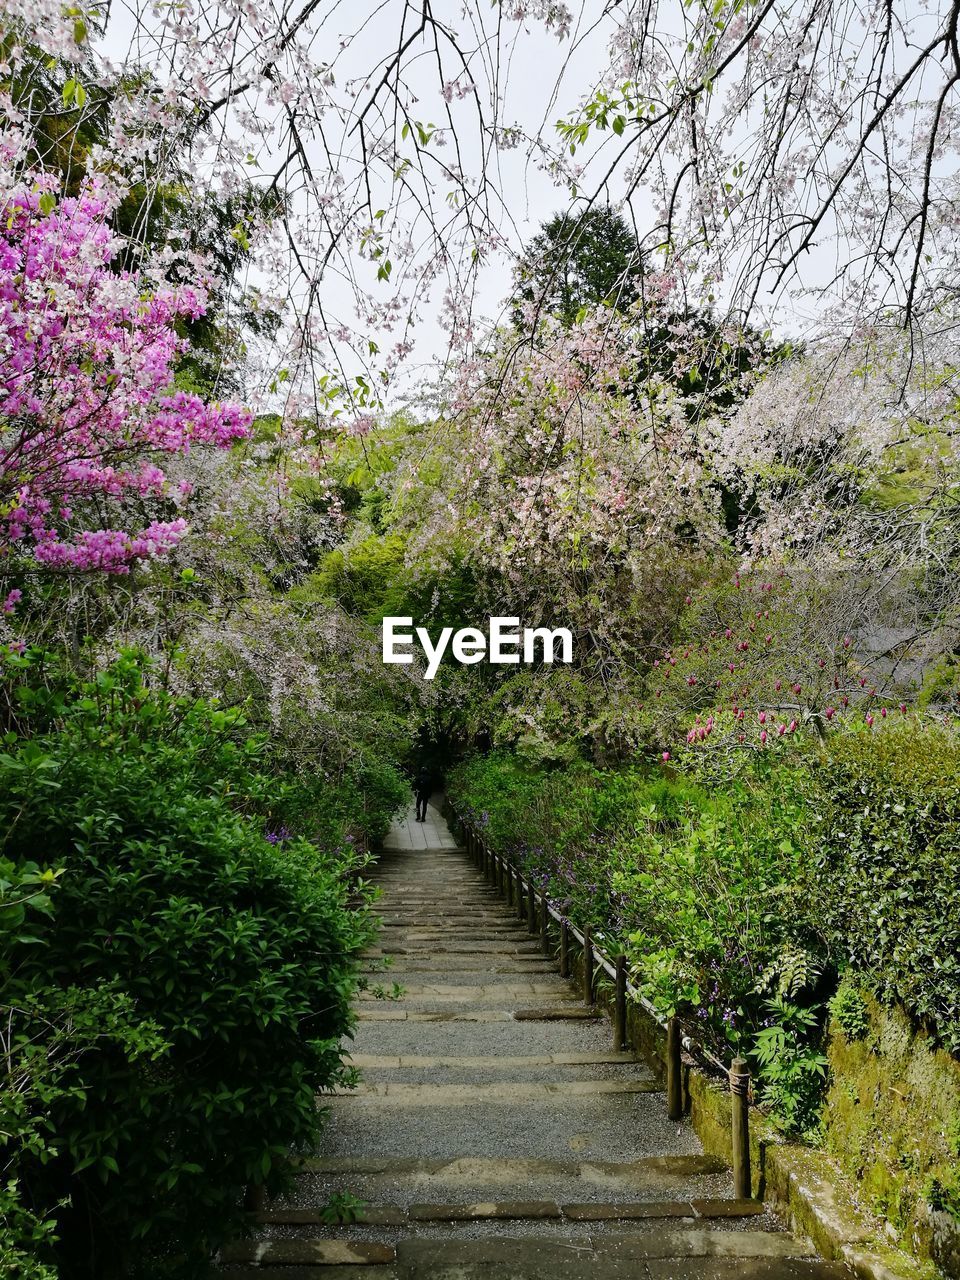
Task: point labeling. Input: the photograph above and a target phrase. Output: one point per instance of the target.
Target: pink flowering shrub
(87, 402)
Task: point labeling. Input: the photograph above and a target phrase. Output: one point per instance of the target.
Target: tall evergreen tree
(579, 260)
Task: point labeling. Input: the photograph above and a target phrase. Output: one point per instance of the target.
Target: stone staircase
(495, 1134)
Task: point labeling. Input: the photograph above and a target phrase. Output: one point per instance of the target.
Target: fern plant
(791, 1064)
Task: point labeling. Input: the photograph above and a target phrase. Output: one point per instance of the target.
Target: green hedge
(888, 866)
(680, 877)
(739, 898)
(179, 996)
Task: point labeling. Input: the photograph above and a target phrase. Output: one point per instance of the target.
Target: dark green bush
(378, 790)
(738, 899)
(700, 888)
(888, 866)
(850, 1010)
(228, 960)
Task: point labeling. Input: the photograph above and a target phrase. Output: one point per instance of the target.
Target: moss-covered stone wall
(892, 1121)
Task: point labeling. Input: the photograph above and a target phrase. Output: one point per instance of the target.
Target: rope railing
(521, 894)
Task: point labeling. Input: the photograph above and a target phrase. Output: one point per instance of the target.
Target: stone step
(374, 1010)
(482, 933)
(461, 966)
(598, 1127)
(420, 1253)
(558, 1013)
(455, 898)
(648, 1173)
(653, 1269)
(420, 939)
(367, 1061)
(486, 975)
(502, 1075)
(473, 921)
(472, 993)
(521, 1210)
(448, 913)
(371, 1013)
(442, 911)
(501, 1094)
(439, 871)
(555, 1013)
(520, 949)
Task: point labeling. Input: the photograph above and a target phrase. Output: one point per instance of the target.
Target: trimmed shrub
(687, 881)
(887, 843)
(226, 960)
(739, 899)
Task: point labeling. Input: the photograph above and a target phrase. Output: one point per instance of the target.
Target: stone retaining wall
(892, 1120)
(820, 1196)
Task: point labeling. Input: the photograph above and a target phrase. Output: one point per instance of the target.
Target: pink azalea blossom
(87, 401)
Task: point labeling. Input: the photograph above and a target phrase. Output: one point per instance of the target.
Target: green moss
(892, 1120)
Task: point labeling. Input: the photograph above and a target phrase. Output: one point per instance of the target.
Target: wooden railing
(534, 907)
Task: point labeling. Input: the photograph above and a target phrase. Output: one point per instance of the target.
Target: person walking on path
(421, 790)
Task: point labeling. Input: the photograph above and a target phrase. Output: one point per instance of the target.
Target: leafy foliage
(211, 968)
(850, 1010)
(703, 891)
(888, 866)
(793, 1070)
(578, 261)
(738, 899)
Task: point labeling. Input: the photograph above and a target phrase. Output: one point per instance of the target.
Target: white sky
(540, 79)
(537, 80)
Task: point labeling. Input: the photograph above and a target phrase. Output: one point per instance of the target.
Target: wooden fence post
(564, 949)
(520, 901)
(544, 924)
(620, 1006)
(740, 1108)
(587, 966)
(531, 908)
(674, 1071)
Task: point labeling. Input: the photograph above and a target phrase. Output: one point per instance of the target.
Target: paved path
(407, 833)
(495, 1135)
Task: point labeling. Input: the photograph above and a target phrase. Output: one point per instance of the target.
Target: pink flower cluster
(87, 401)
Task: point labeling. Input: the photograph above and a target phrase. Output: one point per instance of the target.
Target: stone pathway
(495, 1135)
(407, 833)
